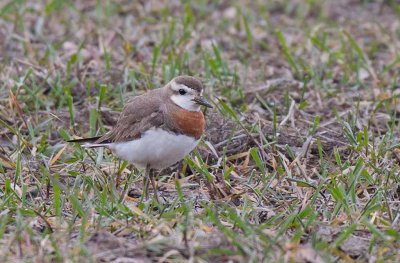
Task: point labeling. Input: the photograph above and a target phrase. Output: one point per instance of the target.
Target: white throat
(185, 102)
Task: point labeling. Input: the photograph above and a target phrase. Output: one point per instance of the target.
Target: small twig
(230, 139)
(290, 113)
(274, 83)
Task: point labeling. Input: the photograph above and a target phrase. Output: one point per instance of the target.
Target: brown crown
(190, 82)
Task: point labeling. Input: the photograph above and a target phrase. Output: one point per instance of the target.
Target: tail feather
(89, 142)
(95, 145)
(83, 140)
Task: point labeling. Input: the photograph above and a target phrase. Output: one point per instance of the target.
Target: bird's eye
(182, 91)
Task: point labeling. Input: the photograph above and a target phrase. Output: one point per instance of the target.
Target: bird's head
(187, 93)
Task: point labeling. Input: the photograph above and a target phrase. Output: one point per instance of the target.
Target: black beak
(202, 101)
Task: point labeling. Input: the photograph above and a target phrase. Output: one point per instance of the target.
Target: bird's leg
(153, 183)
(146, 181)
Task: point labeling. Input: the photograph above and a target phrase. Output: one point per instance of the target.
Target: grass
(300, 161)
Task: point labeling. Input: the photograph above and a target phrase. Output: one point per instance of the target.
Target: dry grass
(300, 162)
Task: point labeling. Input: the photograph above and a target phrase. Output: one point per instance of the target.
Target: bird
(158, 128)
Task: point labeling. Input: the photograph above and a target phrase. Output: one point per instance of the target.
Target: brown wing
(139, 114)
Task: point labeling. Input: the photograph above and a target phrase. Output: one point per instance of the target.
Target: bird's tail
(89, 142)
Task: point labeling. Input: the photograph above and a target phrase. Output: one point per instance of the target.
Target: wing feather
(139, 114)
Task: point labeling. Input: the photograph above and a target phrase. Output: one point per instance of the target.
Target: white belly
(156, 147)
